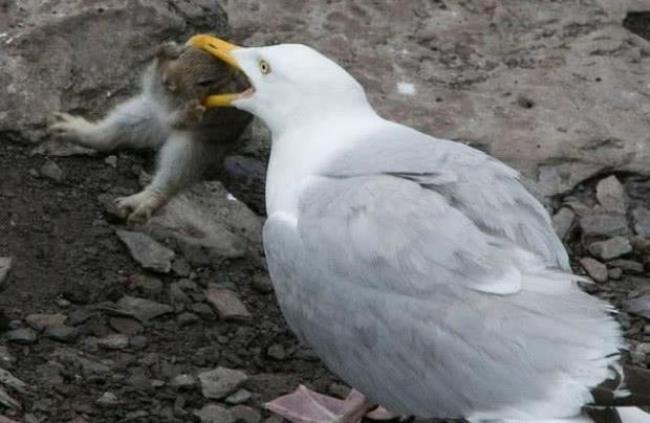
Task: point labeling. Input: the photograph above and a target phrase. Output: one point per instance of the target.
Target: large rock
(559, 90)
(84, 56)
(207, 223)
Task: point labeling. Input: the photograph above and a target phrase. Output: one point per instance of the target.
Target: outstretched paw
(140, 206)
(68, 127)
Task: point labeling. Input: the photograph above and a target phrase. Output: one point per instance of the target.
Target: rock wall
(558, 89)
(84, 56)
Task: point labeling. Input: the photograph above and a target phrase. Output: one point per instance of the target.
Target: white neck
(301, 150)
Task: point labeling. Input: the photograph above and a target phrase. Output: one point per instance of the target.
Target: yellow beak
(222, 50)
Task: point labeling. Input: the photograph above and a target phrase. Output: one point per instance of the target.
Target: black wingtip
(630, 387)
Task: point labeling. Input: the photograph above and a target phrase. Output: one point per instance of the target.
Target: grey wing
(406, 299)
(488, 192)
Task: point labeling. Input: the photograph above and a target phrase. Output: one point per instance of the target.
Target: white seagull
(420, 270)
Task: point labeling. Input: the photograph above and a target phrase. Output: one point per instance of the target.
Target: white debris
(406, 88)
(231, 197)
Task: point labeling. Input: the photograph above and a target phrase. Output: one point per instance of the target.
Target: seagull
(420, 270)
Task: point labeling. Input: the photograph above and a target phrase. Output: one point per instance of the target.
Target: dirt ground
(68, 260)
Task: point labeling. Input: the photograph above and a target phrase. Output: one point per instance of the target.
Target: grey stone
(11, 381)
(8, 401)
(595, 269)
(95, 66)
(614, 273)
(142, 309)
(207, 226)
(108, 399)
(227, 304)
(641, 217)
(111, 161)
(611, 248)
(627, 265)
(5, 268)
(239, 397)
(639, 306)
(183, 381)
(563, 221)
(21, 336)
(148, 252)
(203, 310)
(277, 352)
(52, 171)
(611, 194)
(559, 58)
(604, 224)
(213, 413)
(147, 285)
(185, 319)
(221, 382)
(115, 341)
(138, 342)
(6, 359)
(61, 333)
(125, 325)
(245, 414)
(40, 322)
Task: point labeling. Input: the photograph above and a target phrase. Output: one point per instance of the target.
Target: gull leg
(306, 406)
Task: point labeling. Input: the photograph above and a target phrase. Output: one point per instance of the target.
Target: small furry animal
(166, 114)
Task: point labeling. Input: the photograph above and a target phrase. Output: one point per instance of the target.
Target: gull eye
(265, 68)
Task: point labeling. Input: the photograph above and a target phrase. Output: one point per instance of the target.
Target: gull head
(288, 82)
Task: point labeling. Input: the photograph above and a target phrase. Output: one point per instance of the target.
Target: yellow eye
(265, 68)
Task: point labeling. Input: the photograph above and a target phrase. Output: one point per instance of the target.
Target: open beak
(222, 50)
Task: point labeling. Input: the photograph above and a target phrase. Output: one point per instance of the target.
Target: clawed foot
(188, 115)
(306, 406)
(68, 127)
(140, 206)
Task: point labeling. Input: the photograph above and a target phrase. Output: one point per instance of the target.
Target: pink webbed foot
(306, 406)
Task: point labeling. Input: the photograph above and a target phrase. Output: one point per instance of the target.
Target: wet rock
(239, 397)
(595, 269)
(563, 221)
(177, 295)
(604, 224)
(611, 248)
(227, 304)
(4, 419)
(11, 381)
(21, 336)
(148, 252)
(114, 342)
(221, 382)
(641, 217)
(213, 413)
(183, 381)
(79, 316)
(52, 171)
(5, 268)
(142, 309)
(61, 333)
(40, 322)
(245, 414)
(611, 194)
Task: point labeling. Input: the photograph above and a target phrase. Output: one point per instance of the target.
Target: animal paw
(189, 114)
(140, 206)
(68, 127)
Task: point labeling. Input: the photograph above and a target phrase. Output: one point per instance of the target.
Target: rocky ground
(176, 320)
